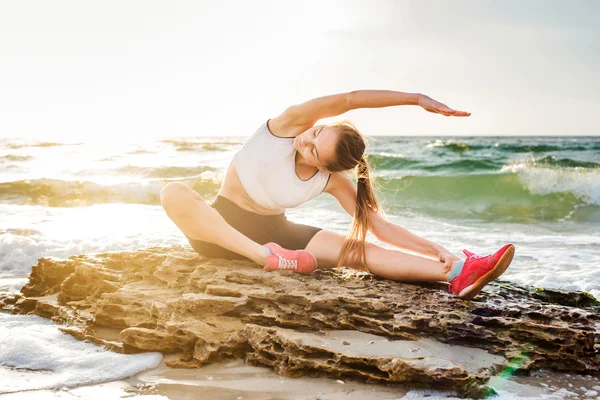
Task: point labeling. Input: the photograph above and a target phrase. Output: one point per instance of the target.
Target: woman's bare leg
(389, 264)
(197, 220)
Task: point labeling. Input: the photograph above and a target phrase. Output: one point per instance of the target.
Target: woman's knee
(174, 194)
(326, 246)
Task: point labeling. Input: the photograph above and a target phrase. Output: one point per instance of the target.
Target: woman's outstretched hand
(433, 106)
(447, 258)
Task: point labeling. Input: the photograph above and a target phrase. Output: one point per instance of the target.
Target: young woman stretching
(289, 161)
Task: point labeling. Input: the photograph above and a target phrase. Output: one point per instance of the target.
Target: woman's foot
(300, 261)
(478, 271)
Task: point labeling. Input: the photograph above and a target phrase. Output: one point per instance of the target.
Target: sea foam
(583, 183)
(34, 355)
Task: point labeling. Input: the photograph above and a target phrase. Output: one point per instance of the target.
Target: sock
(267, 252)
(455, 270)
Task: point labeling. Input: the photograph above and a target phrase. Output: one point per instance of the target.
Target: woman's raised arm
(308, 113)
(388, 98)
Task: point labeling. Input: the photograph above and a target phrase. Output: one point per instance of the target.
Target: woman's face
(317, 145)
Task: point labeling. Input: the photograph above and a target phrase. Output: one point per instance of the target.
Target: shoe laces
(474, 257)
(284, 263)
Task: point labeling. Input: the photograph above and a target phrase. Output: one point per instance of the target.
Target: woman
(289, 161)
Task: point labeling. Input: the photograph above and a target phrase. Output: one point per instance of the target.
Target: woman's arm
(306, 114)
(342, 188)
(336, 104)
(402, 238)
(382, 98)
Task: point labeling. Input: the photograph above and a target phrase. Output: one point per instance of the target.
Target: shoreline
(237, 380)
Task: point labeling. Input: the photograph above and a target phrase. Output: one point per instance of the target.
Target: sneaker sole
(473, 290)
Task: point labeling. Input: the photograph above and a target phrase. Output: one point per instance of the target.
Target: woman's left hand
(447, 258)
(431, 105)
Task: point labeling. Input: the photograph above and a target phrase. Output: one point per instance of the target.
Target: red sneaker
(478, 271)
(300, 261)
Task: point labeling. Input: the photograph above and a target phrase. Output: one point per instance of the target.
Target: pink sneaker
(478, 271)
(300, 261)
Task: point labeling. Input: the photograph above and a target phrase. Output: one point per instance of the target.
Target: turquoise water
(512, 179)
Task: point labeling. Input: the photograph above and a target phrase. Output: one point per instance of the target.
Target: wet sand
(237, 381)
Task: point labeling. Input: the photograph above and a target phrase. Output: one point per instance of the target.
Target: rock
(296, 354)
(324, 324)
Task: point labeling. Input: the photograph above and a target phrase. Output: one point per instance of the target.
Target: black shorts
(260, 228)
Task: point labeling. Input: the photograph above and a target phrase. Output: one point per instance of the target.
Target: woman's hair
(349, 154)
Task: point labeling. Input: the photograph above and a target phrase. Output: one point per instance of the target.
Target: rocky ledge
(330, 323)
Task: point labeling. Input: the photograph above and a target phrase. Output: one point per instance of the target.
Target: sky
(81, 70)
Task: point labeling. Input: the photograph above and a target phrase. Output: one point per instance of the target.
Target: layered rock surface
(326, 324)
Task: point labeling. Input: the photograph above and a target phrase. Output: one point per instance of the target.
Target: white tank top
(266, 166)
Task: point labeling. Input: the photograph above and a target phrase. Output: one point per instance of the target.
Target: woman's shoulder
(287, 124)
(339, 181)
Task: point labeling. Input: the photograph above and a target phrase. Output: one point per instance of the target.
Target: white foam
(112, 390)
(581, 182)
(31, 232)
(390, 155)
(34, 355)
(12, 284)
(442, 143)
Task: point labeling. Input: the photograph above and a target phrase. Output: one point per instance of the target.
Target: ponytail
(354, 249)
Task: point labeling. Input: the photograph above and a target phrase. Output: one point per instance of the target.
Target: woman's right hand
(431, 105)
(447, 258)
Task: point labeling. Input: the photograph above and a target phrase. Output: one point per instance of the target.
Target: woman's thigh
(290, 235)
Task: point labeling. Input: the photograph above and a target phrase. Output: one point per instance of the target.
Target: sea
(63, 198)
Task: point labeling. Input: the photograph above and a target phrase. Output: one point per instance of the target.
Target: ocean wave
(34, 355)
(202, 147)
(523, 195)
(41, 144)
(454, 146)
(518, 193)
(134, 152)
(61, 193)
(553, 160)
(464, 165)
(14, 157)
(389, 162)
(20, 231)
(464, 146)
(164, 172)
(206, 145)
(544, 148)
(582, 183)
